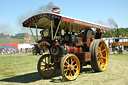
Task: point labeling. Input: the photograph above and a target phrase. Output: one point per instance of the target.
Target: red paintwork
(13, 44)
(52, 16)
(74, 49)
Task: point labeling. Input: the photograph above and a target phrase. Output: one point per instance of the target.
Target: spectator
(121, 47)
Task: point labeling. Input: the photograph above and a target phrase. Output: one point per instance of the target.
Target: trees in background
(123, 32)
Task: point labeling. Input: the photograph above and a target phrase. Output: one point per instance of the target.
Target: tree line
(18, 35)
(123, 32)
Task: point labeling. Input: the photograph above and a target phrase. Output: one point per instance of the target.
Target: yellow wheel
(70, 67)
(99, 55)
(45, 67)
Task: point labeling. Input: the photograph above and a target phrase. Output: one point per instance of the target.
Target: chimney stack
(56, 10)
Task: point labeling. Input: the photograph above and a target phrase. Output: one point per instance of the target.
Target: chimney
(56, 10)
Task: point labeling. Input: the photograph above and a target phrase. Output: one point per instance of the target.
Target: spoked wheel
(99, 55)
(45, 67)
(70, 67)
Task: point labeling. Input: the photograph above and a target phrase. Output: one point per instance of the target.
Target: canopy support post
(36, 32)
(84, 30)
(70, 28)
(57, 29)
(52, 29)
(32, 33)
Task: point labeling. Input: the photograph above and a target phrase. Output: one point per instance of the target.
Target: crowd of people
(117, 49)
(8, 51)
(14, 51)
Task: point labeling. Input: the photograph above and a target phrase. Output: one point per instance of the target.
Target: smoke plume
(45, 8)
(41, 9)
(5, 28)
(101, 22)
(111, 22)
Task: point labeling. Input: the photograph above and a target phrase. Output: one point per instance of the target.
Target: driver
(99, 33)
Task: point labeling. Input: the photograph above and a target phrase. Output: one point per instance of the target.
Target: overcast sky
(13, 12)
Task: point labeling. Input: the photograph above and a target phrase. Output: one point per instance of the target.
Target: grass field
(21, 69)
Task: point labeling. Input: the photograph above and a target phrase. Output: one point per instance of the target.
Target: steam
(41, 9)
(46, 8)
(5, 28)
(101, 22)
(111, 22)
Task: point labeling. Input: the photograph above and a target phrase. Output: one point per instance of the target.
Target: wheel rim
(46, 67)
(71, 67)
(102, 55)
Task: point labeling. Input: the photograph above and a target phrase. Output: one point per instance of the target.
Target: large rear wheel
(99, 55)
(45, 67)
(70, 67)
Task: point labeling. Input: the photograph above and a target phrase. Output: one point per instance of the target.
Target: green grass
(16, 40)
(22, 69)
(3, 40)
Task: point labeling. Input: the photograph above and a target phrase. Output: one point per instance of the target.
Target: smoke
(111, 22)
(41, 9)
(5, 28)
(101, 22)
(45, 8)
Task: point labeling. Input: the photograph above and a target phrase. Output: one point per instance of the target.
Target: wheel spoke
(47, 60)
(67, 62)
(66, 69)
(43, 69)
(104, 58)
(66, 72)
(72, 62)
(43, 62)
(47, 72)
(52, 65)
(98, 51)
(75, 65)
(65, 66)
(42, 65)
(75, 68)
(103, 50)
(99, 48)
(100, 45)
(73, 72)
(70, 74)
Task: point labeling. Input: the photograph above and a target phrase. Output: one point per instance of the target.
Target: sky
(14, 12)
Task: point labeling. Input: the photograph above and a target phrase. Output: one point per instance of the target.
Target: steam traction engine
(70, 44)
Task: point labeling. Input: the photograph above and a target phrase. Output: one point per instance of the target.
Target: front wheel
(45, 67)
(70, 67)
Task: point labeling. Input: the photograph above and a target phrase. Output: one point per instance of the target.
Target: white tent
(23, 46)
